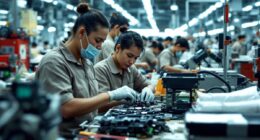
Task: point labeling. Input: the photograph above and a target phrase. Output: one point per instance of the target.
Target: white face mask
(90, 52)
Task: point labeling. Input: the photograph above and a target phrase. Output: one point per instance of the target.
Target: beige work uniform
(110, 78)
(107, 49)
(148, 57)
(167, 57)
(60, 73)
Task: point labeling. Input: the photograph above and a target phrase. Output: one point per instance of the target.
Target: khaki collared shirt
(107, 49)
(167, 58)
(60, 73)
(148, 57)
(110, 78)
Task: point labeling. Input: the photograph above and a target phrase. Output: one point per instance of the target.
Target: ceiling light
(247, 8)
(3, 12)
(257, 4)
(51, 29)
(194, 21)
(236, 20)
(39, 18)
(149, 11)
(69, 6)
(21, 3)
(48, 1)
(174, 8)
(249, 24)
(118, 8)
(55, 2)
(40, 27)
(209, 22)
(3, 23)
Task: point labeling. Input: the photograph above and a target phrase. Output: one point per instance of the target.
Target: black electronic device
(31, 114)
(134, 120)
(174, 84)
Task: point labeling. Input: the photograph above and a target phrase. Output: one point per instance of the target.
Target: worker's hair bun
(82, 8)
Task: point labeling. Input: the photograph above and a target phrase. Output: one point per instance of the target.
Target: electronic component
(134, 120)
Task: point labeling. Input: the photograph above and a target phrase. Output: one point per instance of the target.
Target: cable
(220, 88)
(218, 77)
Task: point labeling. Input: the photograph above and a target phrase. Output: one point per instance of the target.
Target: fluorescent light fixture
(209, 22)
(247, 8)
(55, 2)
(118, 8)
(39, 18)
(40, 27)
(236, 20)
(230, 28)
(174, 7)
(69, 6)
(3, 23)
(70, 24)
(74, 17)
(3, 12)
(51, 29)
(67, 29)
(48, 1)
(149, 11)
(222, 17)
(257, 4)
(249, 24)
(193, 22)
(21, 3)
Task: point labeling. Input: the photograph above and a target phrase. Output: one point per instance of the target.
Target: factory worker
(67, 71)
(118, 70)
(171, 56)
(118, 24)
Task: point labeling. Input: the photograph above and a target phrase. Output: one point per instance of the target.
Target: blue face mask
(90, 52)
(116, 39)
(178, 54)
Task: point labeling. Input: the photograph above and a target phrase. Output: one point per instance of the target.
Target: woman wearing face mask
(67, 71)
(118, 70)
(118, 25)
(171, 56)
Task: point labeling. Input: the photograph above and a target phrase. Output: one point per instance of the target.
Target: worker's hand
(147, 95)
(123, 93)
(144, 65)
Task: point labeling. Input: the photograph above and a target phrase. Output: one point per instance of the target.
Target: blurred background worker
(171, 56)
(118, 70)
(118, 25)
(240, 47)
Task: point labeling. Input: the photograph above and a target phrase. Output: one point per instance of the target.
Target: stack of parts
(242, 101)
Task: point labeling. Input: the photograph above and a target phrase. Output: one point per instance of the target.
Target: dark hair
(158, 45)
(168, 38)
(241, 36)
(89, 18)
(182, 42)
(129, 38)
(118, 19)
(34, 44)
(46, 42)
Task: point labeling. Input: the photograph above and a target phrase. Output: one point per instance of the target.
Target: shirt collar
(109, 37)
(113, 67)
(69, 56)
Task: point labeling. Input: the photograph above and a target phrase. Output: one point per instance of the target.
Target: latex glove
(147, 95)
(123, 93)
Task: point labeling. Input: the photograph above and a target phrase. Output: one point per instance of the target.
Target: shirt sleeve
(164, 60)
(102, 79)
(139, 80)
(55, 79)
(150, 57)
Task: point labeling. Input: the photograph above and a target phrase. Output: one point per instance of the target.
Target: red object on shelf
(20, 48)
(226, 13)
